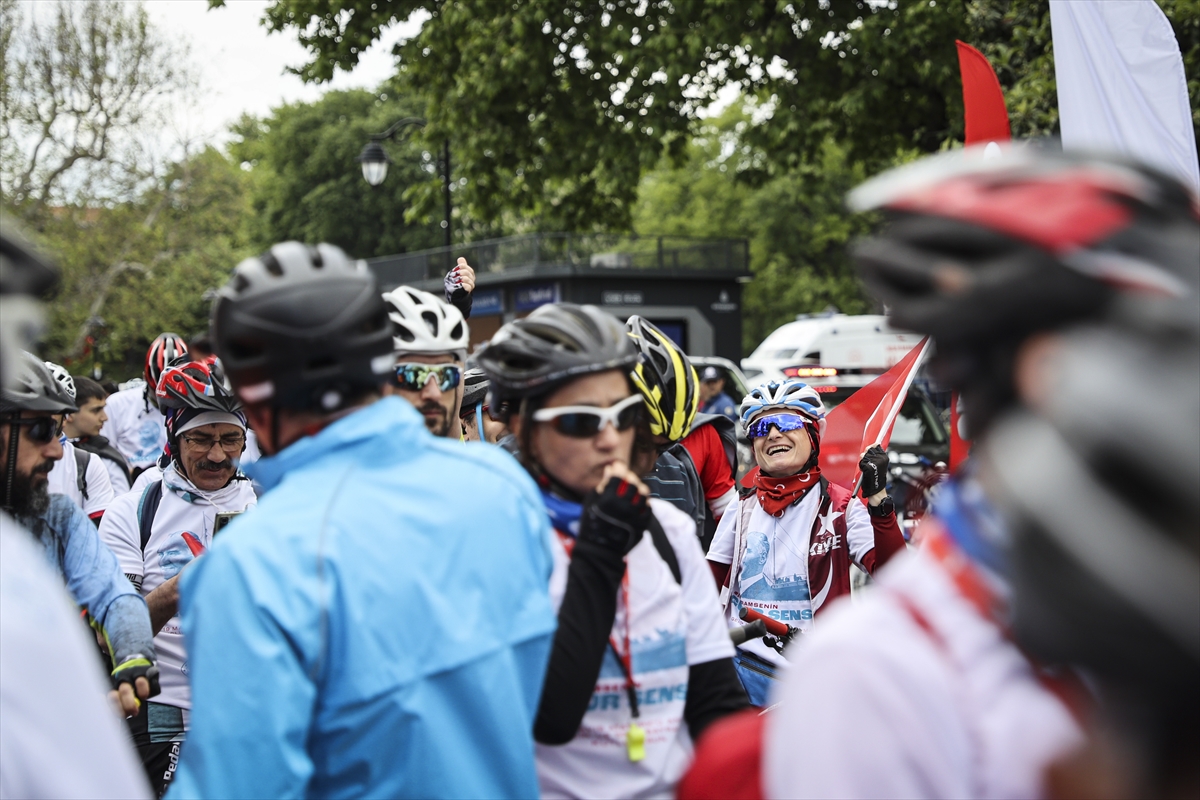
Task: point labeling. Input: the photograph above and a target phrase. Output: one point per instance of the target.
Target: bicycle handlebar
(744, 633)
(773, 626)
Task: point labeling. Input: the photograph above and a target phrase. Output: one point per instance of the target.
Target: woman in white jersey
(785, 551)
(641, 661)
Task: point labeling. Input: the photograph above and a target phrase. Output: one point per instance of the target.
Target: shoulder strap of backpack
(146, 511)
(663, 546)
(81, 464)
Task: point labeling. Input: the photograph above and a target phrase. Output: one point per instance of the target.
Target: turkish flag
(866, 418)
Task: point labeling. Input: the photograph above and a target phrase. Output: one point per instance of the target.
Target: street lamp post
(375, 161)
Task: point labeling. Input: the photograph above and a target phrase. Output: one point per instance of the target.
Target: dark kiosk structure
(691, 288)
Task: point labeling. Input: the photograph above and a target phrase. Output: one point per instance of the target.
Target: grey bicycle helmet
(1101, 501)
(302, 327)
(475, 389)
(553, 346)
(24, 277)
(33, 387)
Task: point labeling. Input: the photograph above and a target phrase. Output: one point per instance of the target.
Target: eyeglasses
(761, 427)
(584, 422)
(414, 376)
(40, 430)
(230, 443)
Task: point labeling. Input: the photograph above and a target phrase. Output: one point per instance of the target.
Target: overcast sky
(242, 67)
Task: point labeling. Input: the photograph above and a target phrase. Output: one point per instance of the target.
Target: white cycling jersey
(182, 529)
(59, 736)
(64, 479)
(135, 427)
(910, 692)
(672, 626)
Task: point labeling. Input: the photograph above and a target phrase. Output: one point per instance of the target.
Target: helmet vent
(240, 283)
(315, 256)
(272, 264)
(431, 321)
(402, 332)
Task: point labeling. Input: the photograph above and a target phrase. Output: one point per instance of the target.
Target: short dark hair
(87, 389)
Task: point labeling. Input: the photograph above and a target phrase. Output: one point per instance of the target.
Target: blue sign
(487, 303)
(527, 298)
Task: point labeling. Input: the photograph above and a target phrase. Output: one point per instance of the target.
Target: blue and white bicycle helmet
(786, 395)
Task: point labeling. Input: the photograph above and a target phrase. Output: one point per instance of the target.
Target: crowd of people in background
(326, 549)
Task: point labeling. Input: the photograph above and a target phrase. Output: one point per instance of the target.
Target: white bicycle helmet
(63, 377)
(786, 395)
(424, 323)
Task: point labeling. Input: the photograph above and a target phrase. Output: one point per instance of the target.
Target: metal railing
(579, 252)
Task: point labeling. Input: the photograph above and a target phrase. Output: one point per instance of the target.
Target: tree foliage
(306, 184)
(82, 91)
(135, 269)
(140, 226)
(796, 222)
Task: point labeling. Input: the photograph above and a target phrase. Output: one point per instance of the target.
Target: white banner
(1121, 86)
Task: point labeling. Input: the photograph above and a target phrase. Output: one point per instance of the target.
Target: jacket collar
(392, 417)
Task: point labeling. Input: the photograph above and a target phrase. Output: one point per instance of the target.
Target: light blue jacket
(378, 626)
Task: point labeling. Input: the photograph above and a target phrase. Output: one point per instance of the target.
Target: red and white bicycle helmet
(166, 348)
(196, 384)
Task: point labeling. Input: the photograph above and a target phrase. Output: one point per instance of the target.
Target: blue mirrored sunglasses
(784, 422)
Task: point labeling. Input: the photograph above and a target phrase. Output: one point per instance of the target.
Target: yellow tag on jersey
(635, 740)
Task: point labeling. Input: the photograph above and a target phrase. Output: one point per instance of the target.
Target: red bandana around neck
(776, 494)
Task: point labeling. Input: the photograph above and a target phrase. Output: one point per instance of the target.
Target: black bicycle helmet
(983, 252)
(33, 387)
(551, 347)
(475, 389)
(666, 378)
(302, 327)
(1101, 499)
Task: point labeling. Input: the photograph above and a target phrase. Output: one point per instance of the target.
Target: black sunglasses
(40, 430)
(584, 422)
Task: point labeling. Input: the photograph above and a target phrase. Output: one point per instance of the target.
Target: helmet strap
(10, 469)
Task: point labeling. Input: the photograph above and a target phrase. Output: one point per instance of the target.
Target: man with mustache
(430, 339)
(29, 429)
(155, 533)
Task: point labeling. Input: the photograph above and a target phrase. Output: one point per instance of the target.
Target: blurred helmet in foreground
(24, 277)
(983, 252)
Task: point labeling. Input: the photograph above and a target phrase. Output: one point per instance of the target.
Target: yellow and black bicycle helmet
(666, 378)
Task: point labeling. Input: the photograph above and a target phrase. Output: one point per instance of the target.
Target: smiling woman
(787, 550)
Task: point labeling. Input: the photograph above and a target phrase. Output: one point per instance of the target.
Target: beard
(437, 425)
(28, 500)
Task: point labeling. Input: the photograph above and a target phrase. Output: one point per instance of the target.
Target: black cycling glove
(874, 466)
(615, 518)
(134, 667)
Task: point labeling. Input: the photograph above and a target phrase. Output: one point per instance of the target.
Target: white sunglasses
(584, 422)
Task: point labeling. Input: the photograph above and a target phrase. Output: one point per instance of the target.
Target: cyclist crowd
(325, 550)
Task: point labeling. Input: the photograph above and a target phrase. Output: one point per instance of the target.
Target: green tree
(556, 107)
(132, 270)
(797, 223)
(306, 184)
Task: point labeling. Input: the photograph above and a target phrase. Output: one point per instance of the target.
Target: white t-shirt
(59, 736)
(116, 476)
(64, 479)
(134, 427)
(673, 627)
(773, 577)
(875, 706)
(182, 529)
